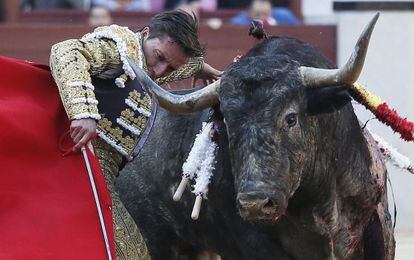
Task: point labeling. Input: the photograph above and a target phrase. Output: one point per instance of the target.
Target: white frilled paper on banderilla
(391, 155)
(199, 166)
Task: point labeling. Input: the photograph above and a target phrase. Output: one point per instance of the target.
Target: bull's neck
(341, 158)
(343, 194)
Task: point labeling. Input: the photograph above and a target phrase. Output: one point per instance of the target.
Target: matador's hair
(179, 26)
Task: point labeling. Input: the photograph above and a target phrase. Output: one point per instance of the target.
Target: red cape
(47, 208)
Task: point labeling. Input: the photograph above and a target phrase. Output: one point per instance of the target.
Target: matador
(94, 81)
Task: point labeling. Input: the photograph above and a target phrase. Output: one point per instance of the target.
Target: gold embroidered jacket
(102, 54)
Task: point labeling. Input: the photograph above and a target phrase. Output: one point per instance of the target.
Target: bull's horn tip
(369, 28)
(374, 20)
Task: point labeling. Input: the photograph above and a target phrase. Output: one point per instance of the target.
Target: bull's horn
(180, 104)
(315, 77)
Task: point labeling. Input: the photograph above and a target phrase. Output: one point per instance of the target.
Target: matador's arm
(73, 62)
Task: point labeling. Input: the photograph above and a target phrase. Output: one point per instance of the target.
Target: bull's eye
(291, 119)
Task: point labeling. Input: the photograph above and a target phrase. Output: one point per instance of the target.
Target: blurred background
(28, 28)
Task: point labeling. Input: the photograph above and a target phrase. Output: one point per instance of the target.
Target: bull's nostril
(268, 204)
(269, 207)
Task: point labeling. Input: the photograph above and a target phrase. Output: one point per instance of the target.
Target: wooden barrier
(119, 17)
(33, 42)
(11, 12)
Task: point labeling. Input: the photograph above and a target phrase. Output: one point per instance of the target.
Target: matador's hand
(208, 74)
(81, 131)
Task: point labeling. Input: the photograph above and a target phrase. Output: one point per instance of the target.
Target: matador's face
(162, 55)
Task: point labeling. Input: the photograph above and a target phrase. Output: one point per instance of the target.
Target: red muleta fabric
(47, 208)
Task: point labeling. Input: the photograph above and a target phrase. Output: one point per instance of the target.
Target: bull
(296, 176)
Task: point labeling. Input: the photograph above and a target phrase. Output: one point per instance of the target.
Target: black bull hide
(295, 177)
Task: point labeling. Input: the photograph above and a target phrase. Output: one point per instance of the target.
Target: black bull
(295, 177)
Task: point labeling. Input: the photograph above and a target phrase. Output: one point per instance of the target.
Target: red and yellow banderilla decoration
(383, 112)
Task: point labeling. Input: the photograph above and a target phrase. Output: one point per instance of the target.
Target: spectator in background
(28, 5)
(233, 3)
(192, 8)
(126, 5)
(263, 10)
(99, 16)
(173, 4)
(157, 5)
(204, 5)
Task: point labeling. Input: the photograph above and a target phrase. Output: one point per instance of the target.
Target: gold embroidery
(77, 60)
(73, 61)
(80, 108)
(191, 68)
(78, 92)
(128, 44)
(129, 243)
(115, 134)
(139, 123)
(144, 102)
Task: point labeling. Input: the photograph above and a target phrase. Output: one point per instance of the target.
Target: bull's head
(266, 120)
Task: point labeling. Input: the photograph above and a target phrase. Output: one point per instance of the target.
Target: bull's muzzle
(258, 206)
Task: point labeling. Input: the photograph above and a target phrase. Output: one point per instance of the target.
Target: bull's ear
(326, 100)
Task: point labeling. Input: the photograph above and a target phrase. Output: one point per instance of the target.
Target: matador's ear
(145, 32)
